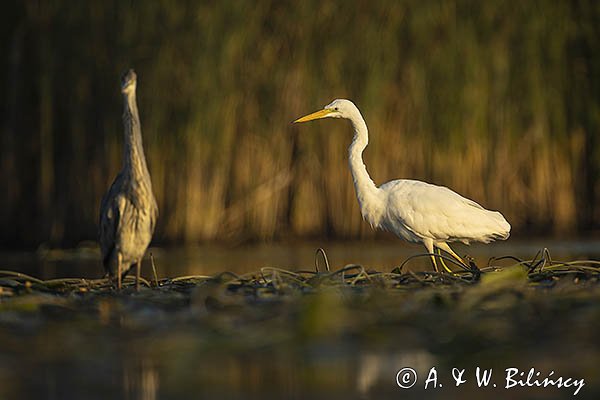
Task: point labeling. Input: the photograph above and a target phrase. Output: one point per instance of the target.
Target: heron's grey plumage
(128, 211)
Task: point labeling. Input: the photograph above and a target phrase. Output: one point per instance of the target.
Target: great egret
(128, 212)
(415, 211)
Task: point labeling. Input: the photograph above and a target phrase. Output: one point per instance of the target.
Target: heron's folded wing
(110, 217)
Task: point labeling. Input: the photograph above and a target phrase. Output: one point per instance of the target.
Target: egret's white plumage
(415, 211)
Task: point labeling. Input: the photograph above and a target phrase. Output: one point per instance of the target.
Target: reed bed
(499, 102)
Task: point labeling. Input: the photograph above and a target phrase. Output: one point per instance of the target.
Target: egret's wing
(439, 213)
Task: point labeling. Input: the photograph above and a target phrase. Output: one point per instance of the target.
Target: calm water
(212, 259)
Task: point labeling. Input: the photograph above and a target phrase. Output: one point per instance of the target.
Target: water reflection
(375, 368)
(326, 371)
(140, 379)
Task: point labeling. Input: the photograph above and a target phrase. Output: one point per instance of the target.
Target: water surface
(213, 259)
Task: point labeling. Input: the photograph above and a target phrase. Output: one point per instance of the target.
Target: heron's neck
(369, 195)
(134, 160)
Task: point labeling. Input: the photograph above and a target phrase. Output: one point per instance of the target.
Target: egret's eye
(336, 109)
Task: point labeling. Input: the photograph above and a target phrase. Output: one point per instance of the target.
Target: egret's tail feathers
(499, 228)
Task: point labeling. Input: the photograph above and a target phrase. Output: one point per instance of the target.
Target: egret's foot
(470, 262)
(446, 268)
(460, 261)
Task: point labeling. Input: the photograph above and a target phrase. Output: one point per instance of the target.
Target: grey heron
(128, 211)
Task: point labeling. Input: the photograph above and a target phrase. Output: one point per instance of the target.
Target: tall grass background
(499, 100)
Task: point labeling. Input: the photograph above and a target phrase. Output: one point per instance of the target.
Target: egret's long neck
(369, 196)
(134, 159)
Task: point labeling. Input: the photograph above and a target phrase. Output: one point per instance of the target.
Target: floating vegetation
(541, 270)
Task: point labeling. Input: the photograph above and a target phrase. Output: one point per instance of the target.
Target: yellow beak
(316, 115)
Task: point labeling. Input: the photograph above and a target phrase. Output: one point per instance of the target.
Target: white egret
(416, 211)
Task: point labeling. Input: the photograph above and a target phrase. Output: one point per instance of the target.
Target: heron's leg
(138, 270)
(444, 246)
(119, 262)
(428, 243)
